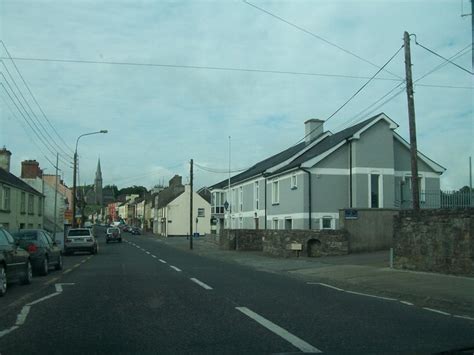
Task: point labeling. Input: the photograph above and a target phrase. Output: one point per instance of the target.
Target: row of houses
(30, 201)
(165, 211)
(366, 165)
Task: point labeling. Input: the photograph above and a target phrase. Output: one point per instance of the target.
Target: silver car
(80, 239)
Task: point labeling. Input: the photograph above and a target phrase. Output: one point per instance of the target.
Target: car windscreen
(78, 232)
(25, 235)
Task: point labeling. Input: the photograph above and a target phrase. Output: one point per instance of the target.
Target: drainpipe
(309, 193)
(350, 174)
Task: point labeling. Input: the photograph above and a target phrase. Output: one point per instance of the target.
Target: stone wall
(372, 229)
(435, 240)
(277, 242)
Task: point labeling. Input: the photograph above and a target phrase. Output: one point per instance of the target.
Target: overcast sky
(159, 118)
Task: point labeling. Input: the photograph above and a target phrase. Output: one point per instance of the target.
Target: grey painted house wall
(379, 156)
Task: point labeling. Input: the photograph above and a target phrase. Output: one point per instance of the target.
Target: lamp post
(74, 225)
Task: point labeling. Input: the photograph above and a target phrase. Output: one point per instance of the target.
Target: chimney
(313, 128)
(30, 169)
(176, 181)
(5, 155)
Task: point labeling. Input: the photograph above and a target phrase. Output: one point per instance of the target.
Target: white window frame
(275, 221)
(331, 222)
(294, 182)
(422, 189)
(241, 222)
(256, 190)
(7, 198)
(380, 190)
(275, 192)
(241, 199)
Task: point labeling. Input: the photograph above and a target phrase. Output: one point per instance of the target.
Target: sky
(160, 117)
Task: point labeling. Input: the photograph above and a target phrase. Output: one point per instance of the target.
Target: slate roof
(323, 146)
(10, 179)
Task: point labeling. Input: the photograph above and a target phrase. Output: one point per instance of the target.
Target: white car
(80, 239)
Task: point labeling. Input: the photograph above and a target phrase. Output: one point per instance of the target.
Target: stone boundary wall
(435, 240)
(277, 242)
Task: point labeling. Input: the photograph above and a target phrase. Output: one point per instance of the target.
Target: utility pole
(412, 126)
(191, 207)
(74, 225)
(55, 197)
(471, 201)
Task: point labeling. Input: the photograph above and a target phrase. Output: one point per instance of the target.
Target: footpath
(367, 273)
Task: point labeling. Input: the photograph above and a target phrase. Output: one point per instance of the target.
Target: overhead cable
(319, 37)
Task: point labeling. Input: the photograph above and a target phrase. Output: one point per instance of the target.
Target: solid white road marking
(175, 268)
(162, 261)
(325, 285)
(366, 294)
(43, 298)
(59, 287)
(292, 339)
(463, 317)
(437, 311)
(407, 303)
(202, 284)
(9, 330)
(20, 319)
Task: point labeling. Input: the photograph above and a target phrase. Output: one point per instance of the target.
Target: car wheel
(120, 240)
(3, 281)
(45, 267)
(28, 274)
(59, 265)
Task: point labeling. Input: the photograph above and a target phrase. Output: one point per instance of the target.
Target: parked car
(135, 231)
(113, 234)
(127, 228)
(15, 264)
(80, 239)
(44, 252)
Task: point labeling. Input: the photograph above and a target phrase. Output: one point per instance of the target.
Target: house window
(294, 181)
(201, 212)
(326, 222)
(6, 198)
(31, 203)
(40, 206)
(288, 223)
(241, 199)
(407, 189)
(23, 203)
(256, 194)
(275, 192)
(375, 191)
(275, 223)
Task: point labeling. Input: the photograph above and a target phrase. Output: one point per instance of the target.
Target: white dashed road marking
(175, 268)
(200, 283)
(437, 311)
(162, 261)
(148, 252)
(153, 256)
(292, 339)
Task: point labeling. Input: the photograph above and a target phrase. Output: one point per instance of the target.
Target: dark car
(135, 231)
(44, 252)
(15, 262)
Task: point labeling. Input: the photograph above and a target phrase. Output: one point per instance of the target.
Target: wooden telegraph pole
(191, 207)
(412, 126)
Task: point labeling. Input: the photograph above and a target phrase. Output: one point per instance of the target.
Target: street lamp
(75, 173)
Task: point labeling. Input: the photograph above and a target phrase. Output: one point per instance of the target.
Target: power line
(34, 114)
(36, 131)
(26, 131)
(440, 56)
(33, 96)
(219, 171)
(353, 95)
(319, 37)
(198, 67)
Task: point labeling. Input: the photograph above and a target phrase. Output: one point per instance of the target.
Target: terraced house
(21, 206)
(366, 165)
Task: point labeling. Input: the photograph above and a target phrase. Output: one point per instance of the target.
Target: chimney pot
(313, 129)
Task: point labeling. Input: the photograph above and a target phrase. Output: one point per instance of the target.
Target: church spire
(98, 173)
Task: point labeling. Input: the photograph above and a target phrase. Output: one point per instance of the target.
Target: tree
(138, 190)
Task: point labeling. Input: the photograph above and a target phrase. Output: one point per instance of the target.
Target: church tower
(99, 200)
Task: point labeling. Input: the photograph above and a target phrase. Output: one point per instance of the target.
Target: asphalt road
(142, 296)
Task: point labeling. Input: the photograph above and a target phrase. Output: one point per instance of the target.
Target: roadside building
(21, 206)
(366, 165)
